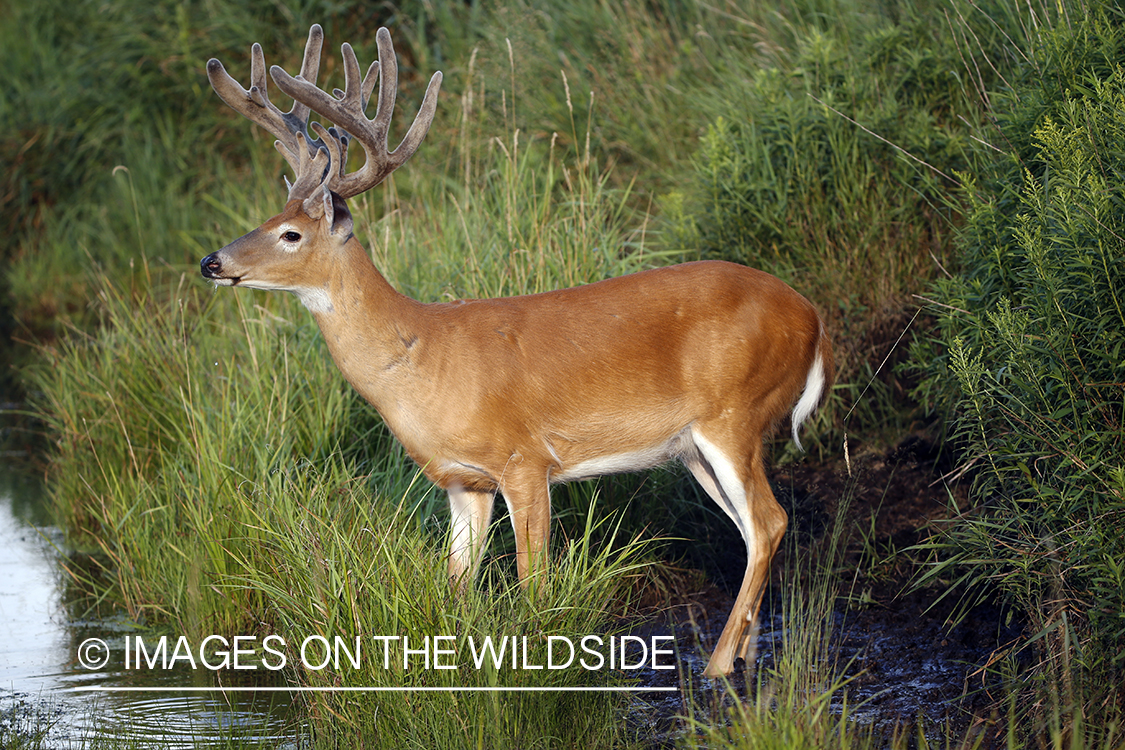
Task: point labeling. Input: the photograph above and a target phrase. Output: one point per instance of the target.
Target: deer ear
(339, 217)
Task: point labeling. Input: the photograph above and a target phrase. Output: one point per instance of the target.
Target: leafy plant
(1031, 339)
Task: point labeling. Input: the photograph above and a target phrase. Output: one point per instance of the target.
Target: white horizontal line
(404, 689)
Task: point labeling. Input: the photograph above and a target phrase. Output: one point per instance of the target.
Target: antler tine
(290, 128)
(388, 87)
(310, 68)
(369, 81)
(346, 111)
(368, 86)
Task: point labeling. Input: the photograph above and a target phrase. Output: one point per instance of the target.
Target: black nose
(211, 266)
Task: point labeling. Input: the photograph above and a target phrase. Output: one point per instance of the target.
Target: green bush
(1028, 356)
(788, 183)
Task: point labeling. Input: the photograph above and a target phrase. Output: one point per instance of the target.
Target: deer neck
(368, 326)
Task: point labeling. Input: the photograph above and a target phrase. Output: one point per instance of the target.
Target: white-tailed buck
(692, 362)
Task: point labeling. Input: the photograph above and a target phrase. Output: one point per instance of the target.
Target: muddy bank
(908, 667)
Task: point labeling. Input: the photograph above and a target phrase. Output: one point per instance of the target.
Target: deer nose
(211, 266)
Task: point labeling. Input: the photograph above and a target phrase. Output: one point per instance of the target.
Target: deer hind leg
(740, 488)
(528, 497)
(471, 512)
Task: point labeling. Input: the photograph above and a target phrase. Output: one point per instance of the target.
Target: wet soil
(908, 667)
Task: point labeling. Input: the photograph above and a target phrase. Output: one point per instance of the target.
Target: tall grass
(162, 416)
(334, 563)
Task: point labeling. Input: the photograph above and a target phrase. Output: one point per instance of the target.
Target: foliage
(162, 416)
(338, 563)
(793, 177)
(1028, 356)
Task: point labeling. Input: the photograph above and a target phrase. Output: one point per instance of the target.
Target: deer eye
(291, 236)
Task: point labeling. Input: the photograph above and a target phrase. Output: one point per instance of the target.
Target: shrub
(1028, 355)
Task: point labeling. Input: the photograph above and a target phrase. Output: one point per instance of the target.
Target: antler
(305, 155)
(346, 110)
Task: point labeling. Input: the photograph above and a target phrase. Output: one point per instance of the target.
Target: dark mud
(908, 668)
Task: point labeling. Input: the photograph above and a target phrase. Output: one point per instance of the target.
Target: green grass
(342, 565)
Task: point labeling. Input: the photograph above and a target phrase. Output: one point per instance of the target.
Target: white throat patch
(315, 299)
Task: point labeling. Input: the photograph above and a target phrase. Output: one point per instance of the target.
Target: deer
(695, 362)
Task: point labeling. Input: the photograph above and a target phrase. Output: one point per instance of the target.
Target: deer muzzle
(212, 268)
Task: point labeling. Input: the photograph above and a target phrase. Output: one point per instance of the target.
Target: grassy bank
(219, 475)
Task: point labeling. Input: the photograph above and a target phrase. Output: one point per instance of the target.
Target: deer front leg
(471, 511)
(528, 497)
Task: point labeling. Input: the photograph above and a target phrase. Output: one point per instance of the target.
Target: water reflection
(31, 638)
(38, 666)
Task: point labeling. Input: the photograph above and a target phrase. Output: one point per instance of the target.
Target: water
(40, 672)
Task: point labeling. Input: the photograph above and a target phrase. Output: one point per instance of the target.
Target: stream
(46, 692)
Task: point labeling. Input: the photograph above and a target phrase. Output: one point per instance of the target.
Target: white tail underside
(814, 389)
